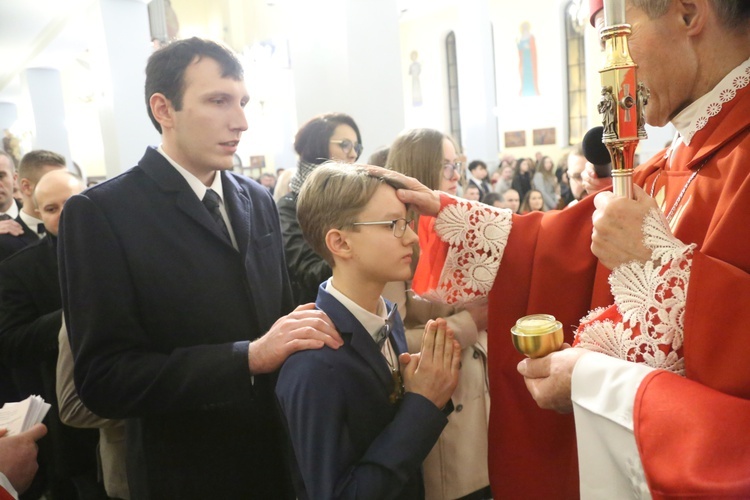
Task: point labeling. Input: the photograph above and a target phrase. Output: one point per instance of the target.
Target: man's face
(28, 185)
(670, 74)
(203, 136)
(512, 200)
(7, 182)
(480, 173)
(51, 194)
(472, 193)
(576, 166)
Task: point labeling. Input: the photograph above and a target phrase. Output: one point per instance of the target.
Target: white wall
(426, 35)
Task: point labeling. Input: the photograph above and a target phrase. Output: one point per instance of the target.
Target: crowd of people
(200, 334)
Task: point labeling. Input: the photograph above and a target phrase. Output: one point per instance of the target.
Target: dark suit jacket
(30, 311)
(30, 320)
(10, 244)
(160, 310)
(349, 440)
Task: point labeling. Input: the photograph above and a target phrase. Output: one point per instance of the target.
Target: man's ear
(162, 109)
(694, 14)
(338, 244)
(24, 185)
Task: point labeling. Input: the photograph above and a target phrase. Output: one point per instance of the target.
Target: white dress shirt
(200, 191)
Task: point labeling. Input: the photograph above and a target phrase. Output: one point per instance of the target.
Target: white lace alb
(476, 235)
(650, 300)
(696, 116)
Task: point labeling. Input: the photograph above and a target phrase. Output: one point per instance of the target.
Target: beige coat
(457, 465)
(74, 413)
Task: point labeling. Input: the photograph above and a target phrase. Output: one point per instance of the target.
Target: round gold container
(537, 335)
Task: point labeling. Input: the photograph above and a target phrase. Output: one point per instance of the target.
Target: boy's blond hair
(332, 197)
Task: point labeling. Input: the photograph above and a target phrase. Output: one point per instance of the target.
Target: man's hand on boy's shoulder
(304, 328)
(433, 372)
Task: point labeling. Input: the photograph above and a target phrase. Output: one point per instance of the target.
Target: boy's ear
(338, 244)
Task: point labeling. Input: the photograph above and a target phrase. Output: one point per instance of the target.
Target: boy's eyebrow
(393, 215)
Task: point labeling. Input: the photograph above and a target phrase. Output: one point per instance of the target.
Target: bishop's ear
(694, 14)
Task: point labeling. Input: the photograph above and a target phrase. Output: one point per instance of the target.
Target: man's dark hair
(477, 163)
(313, 138)
(165, 71)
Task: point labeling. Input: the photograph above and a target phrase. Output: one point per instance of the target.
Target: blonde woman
(457, 465)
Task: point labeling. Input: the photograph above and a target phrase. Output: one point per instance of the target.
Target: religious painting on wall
(527, 67)
(258, 162)
(515, 139)
(416, 88)
(544, 136)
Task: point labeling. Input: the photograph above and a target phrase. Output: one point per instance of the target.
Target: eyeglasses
(574, 177)
(450, 169)
(346, 146)
(397, 225)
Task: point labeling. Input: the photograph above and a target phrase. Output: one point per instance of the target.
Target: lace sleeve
(647, 323)
(476, 236)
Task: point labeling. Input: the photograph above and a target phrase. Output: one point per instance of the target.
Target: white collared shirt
(371, 322)
(695, 116)
(200, 191)
(12, 211)
(32, 222)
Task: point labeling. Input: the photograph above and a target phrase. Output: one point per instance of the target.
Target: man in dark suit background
(8, 205)
(8, 211)
(30, 319)
(33, 166)
(173, 305)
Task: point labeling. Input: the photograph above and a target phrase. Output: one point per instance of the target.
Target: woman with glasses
(332, 136)
(457, 465)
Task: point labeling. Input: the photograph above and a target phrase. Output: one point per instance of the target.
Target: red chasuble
(696, 445)
(547, 267)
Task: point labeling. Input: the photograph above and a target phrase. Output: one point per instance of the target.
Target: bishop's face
(667, 65)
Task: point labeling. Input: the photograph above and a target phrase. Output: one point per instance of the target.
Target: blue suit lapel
(399, 335)
(355, 336)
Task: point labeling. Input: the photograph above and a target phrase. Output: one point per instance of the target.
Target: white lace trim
(638, 484)
(650, 298)
(476, 235)
(724, 92)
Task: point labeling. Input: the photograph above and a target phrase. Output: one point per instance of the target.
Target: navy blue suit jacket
(160, 310)
(349, 440)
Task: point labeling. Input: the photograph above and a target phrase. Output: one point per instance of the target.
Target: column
(476, 81)
(45, 91)
(345, 56)
(120, 58)
(8, 116)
